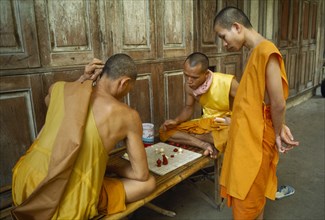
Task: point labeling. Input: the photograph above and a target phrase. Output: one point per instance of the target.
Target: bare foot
(210, 150)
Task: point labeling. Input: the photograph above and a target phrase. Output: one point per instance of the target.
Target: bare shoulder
(114, 121)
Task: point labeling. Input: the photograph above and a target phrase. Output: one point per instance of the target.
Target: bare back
(115, 122)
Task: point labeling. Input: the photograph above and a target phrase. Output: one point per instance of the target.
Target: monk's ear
(238, 27)
(124, 82)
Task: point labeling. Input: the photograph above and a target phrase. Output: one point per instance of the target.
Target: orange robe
(215, 103)
(249, 167)
(61, 175)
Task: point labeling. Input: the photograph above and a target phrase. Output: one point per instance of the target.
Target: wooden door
(68, 32)
(297, 42)
(18, 39)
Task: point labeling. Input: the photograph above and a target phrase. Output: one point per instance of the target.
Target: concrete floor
(302, 168)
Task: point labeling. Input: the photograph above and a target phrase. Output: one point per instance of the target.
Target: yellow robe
(251, 136)
(215, 103)
(80, 194)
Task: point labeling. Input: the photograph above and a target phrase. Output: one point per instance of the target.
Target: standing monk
(214, 92)
(257, 132)
(62, 174)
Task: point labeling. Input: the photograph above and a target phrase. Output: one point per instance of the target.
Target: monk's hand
(285, 141)
(92, 70)
(224, 120)
(169, 124)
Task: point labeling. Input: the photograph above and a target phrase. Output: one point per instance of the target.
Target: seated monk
(213, 91)
(62, 175)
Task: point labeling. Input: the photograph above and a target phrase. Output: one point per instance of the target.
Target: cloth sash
(205, 86)
(65, 151)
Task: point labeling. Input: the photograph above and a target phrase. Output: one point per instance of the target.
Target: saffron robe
(215, 103)
(61, 175)
(251, 129)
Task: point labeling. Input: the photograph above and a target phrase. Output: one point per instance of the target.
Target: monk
(62, 175)
(214, 91)
(257, 133)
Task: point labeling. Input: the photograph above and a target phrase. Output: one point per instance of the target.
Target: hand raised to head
(92, 70)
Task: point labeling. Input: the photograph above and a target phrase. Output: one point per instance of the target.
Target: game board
(175, 159)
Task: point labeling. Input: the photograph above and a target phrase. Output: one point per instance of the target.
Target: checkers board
(175, 159)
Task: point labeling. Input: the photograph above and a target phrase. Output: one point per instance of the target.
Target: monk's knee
(151, 184)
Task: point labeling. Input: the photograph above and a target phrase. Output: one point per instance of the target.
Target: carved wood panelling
(312, 64)
(284, 20)
(176, 25)
(207, 42)
(295, 28)
(18, 129)
(174, 93)
(309, 22)
(305, 21)
(303, 59)
(18, 38)
(292, 71)
(230, 64)
(44, 41)
(307, 67)
(132, 28)
(21, 118)
(291, 61)
(141, 98)
(68, 36)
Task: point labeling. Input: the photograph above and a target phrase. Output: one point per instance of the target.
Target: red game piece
(165, 160)
(158, 163)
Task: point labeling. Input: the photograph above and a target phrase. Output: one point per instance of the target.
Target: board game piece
(179, 158)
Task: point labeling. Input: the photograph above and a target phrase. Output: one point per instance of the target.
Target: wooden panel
(284, 22)
(305, 22)
(68, 33)
(18, 39)
(141, 98)
(207, 39)
(177, 28)
(307, 67)
(303, 68)
(230, 64)
(18, 129)
(291, 63)
(295, 22)
(21, 117)
(174, 93)
(312, 64)
(132, 28)
(314, 13)
(285, 12)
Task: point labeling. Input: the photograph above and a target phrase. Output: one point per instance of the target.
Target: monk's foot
(210, 151)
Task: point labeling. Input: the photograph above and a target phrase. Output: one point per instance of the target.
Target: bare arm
(138, 167)
(232, 93)
(185, 114)
(233, 87)
(275, 96)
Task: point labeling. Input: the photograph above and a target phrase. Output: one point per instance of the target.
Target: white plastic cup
(148, 133)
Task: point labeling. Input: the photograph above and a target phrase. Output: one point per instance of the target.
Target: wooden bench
(167, 181)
